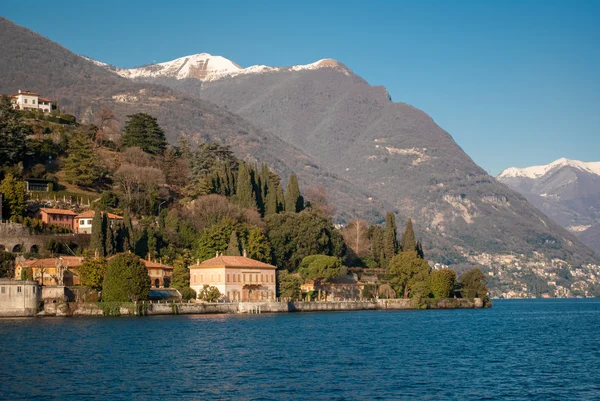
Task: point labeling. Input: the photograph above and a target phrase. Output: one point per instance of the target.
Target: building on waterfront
(19, 298)
(26, 100)
(63, 270)
(60, 217)
(160, 274)
(85, 220)
(238, 278)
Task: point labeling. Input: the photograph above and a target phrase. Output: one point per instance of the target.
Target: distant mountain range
(319, 120)
(568, 191)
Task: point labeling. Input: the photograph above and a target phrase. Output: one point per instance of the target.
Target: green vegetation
(209, 294)
(13, 191)
(82, 167)
(126, 279)
(7, 264)
(320, 267)
(142, 131)
(13, 134)
(91, 272)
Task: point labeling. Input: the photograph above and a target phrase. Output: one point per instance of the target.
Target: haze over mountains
(319, 120)
(568, 191)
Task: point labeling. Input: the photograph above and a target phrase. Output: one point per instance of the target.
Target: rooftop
(58, 211)
(233, 261)
(70, 261)
(92, 213)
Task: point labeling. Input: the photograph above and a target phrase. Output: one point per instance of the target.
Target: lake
(517, 350)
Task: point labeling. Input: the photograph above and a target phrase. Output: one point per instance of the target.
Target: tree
(7, 264)
(356, 236)
(209, 156)
(13, 134)
(294, 202)
(442, 283)
(91, 272)
(126, 233)
(111, 242)
(294, 236)
(472, 285)
(390, 242)
(215, 239)
(320, 267)
(405, 270)
(126, 279)
(81, 166)
(209, 294)
(318, 197)
(408, 238)
(138, 187)
(142, 130)
(234, 248)
(246, 196)
(13, 191)
(98, 238)
(376, 235)
(181, 272)
(288, 285)
(108, 125)
(258, 246)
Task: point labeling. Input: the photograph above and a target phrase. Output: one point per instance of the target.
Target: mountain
(391, 151)
(82, 86)
(568, 191)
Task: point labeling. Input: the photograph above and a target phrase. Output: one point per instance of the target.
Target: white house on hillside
(26, 100)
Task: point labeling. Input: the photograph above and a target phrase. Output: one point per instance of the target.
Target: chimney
(217, 254)
(19, 90)
(245, 255)
(197, 261)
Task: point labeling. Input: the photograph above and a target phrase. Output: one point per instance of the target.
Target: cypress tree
(408, 238)
(111, 245)
(257, 190)
(390, 242)
(127, 233)
(377, 244)
(271, 201)
(105, 228)
(420, 252)
(293, 200)
(98, 239)
(280, 199)
(234, 245)
(245, 192)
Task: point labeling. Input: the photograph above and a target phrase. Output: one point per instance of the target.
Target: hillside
(82, 87)
(392, 151)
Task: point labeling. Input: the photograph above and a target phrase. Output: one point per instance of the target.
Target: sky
(516, 83)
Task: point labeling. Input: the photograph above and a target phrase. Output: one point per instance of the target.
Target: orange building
(238, 278)
(61, 217)
(160, 275)
(63, 270)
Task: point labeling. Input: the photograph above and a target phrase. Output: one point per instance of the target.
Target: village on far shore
(103, 220)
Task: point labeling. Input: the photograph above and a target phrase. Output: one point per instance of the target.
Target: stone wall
(16, 238)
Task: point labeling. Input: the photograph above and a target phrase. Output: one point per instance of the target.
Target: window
(195, 278)
(33, 289)
(18, 289)
(33, 101)
(89, 222)
(212, 277)
(25, 101)
(261, 278)
(227, 281)
(3, 290)
(257, 277)
(239, 278)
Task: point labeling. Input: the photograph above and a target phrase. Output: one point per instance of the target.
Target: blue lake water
(518, 350)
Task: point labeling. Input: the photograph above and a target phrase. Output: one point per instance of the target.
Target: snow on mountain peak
(539, 171)
(206, 67)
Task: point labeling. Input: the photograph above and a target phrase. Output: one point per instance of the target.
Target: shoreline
(100, 309)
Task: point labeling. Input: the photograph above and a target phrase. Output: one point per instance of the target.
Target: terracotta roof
(25, 93)
(70, 261)
(43, 99)
(92, 213)
(58, 211)
(153, 265)
(233, 261)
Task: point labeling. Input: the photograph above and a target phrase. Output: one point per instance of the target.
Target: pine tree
(408, 238)
(390, 242)
(13, 134)
(14, 194)
(142, 131)
(293, 200)
(98, 239)
(244, 191)
(81, 166)
(234, 245)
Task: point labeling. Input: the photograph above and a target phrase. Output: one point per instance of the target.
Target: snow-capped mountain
(566, 190)
(540, 171)
(206, 67)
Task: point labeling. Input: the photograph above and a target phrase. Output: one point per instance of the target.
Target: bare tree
(356, 236)
(318, 197)
(211, 209)
(108, 125)
(137, 184)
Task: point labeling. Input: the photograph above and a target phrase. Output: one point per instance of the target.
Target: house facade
(63, 270)
(84, 221)
(60, 217)
(160, 275)
(238, 278)
(19, 298)
(26, 100)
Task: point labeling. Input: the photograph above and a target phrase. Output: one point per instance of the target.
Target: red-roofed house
(160, 275)
(26, 100)
(84, 221)
(61, 217)
(63, 270)
(238, 278)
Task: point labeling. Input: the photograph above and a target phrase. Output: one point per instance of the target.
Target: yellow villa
(238, 278)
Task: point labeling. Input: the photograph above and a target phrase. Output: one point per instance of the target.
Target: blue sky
(516, 83)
